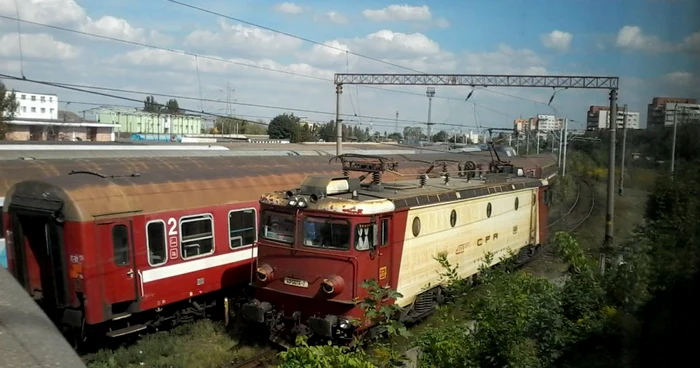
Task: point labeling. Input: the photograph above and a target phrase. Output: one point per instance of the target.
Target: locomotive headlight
(264, 272)
(301, 202)
(293, 201)
(344, 324)
(333, 285)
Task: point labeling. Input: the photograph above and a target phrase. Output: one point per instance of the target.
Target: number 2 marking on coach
(173, 227)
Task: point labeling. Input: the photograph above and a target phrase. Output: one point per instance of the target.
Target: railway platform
(27, 337)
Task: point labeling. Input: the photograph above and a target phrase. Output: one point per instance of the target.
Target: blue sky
(653, 45)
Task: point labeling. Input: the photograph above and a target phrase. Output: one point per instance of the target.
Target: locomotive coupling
(255, 311)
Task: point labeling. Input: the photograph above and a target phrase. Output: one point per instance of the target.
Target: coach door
(385, 252)
(116, 252)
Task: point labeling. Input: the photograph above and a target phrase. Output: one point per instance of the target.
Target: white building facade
(601, 120)
(548, 123)
(682, 112)
(36, 106)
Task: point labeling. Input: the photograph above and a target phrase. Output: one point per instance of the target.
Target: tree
(284, 126)
(412, 134)
(150, 105)
(8, 109)
(395, 136)
(172, 107)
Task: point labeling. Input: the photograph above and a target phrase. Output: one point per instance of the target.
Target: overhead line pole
(610, 213)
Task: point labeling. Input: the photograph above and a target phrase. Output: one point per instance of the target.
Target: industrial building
(133, 120)
(37, 119)
(598, 118)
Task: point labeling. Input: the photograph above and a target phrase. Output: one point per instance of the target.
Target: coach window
(120, 244)
(385, 232)
(196, 236)
(156, 243)
(241, 228)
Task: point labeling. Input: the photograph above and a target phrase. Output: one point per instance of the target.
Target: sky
(161, 47)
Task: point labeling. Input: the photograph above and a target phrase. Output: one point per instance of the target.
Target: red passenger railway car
(120, 253)
(318, 243)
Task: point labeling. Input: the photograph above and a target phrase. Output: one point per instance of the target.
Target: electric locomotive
(319, 242)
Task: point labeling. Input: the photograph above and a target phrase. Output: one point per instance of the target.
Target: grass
(201, 344)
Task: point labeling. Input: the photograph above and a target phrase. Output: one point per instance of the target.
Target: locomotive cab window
(156, 243)
(120, 244)
(196, 236)
(277, 226)
(365, 237)
(326, 233)
(241, 228)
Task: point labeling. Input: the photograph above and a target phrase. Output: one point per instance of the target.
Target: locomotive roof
(403, 193)
(109, 189)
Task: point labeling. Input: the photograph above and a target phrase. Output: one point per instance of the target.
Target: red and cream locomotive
(120, 253)
(318, 243)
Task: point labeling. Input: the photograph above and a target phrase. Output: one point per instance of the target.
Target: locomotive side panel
(463, 231)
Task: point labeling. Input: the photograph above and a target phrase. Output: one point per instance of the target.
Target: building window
(43, 110)
(24, 97)
(241, 227)
(33, 98)
(156, 243)
(51, 111)
(24, 108)
(50, 99)
(33, 109)
(43, 99)
(196, 236)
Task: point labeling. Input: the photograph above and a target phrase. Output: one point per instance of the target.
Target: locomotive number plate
(296, 282)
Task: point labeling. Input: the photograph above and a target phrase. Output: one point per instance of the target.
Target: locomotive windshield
(278, 227)
(326, 233)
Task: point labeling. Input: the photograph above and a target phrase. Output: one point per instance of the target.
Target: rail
(575, 205)
(257, 361)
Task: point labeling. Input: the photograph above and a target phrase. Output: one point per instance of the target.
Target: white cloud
(242, 39)
(288, 8)
(504, 60)
(68, 12)
(398, 13)
(442, 23)
(633, 38)
(691, 44)
(333, 17)
(557, 40)
(40, 45)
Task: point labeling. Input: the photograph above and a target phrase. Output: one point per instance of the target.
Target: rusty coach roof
(173, 185)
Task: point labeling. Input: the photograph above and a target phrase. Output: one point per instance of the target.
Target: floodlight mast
(496, 80)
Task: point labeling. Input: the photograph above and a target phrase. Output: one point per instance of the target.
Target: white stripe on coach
(160, 273)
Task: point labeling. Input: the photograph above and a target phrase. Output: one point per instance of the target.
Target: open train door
(116, 254)
(385, 251)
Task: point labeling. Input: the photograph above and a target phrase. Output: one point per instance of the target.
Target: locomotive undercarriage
(283, 328)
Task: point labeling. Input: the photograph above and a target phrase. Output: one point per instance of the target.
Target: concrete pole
(338, 122)
(561, 145)
(673, 144)
(538, 142)
(566, 141)
(624, 149)
(610, 215)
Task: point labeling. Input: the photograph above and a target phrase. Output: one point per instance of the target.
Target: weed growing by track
(202, 344)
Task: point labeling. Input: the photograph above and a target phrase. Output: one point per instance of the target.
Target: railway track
(262, 360)
(576, 214)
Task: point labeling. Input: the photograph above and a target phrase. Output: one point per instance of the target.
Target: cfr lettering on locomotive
(486, 239)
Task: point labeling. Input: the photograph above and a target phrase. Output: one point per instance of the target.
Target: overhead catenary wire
(77, 89)
(87, 89)
(233, 62)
